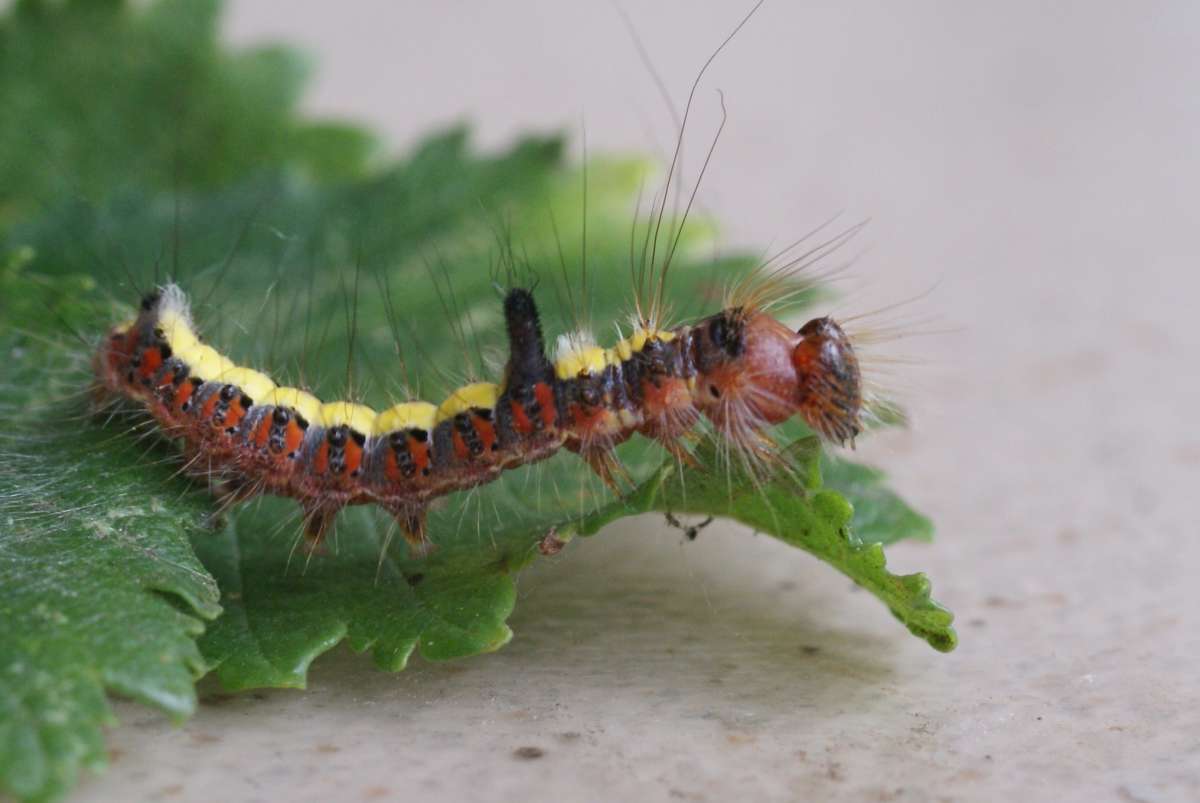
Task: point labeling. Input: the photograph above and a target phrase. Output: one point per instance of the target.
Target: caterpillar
(741, 369)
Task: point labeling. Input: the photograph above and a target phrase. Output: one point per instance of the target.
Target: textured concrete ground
(1037, 168)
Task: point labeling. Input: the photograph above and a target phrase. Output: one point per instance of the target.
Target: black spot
(247, 402)
(165, 350)
(301, 421)
(467, 431)
(404, 459)
(589, 394)
(714, 391)
(414, 579)
(358, 437)
(281, 416)
(718, 330)
(228, 392)
(419, 435)
(336, 436)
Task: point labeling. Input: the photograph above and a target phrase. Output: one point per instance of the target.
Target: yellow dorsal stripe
(205, 363)
(409, 415)
(589, 360)
(251, 382)
(637, 341)
(358, 417)
(178, 332)
(478, 394)
(306, 404)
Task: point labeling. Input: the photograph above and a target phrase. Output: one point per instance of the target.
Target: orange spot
(584, 420)
(151, 361)
(263, 433)
(420, 454)
(353, 454)
(521, 420)
(235, 414)
(487, 432)
(210, 406)
(182, 395)
(460, 446)
(293, 436)
(166, 381)
(321, 458)
(545, 397)
(391, 468)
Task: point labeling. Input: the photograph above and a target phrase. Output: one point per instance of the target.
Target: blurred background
(1030, 173)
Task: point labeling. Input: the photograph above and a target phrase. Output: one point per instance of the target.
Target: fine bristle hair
(172, 299)
(793, 271)
(648, 274)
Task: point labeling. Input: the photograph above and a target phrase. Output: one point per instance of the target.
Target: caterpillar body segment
(741, 369)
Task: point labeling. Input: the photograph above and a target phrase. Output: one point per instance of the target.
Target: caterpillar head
(830, 381)
(755, 371)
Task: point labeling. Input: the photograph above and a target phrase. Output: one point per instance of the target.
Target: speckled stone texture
(1035, 168)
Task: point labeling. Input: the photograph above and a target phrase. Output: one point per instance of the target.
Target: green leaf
(880, 516)
(100, 96)
(795, 507)
(99, 588)
(282, 610)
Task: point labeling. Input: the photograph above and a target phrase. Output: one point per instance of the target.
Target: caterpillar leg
(317, 520)
(231, 491)
(412, 525)
(227, 493)
(675, 430)
(678, 450)
(689, 530)
(603, 461)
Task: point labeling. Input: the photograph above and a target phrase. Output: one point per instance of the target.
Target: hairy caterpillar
(740, 368)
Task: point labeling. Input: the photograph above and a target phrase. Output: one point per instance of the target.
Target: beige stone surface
(1035, 168)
